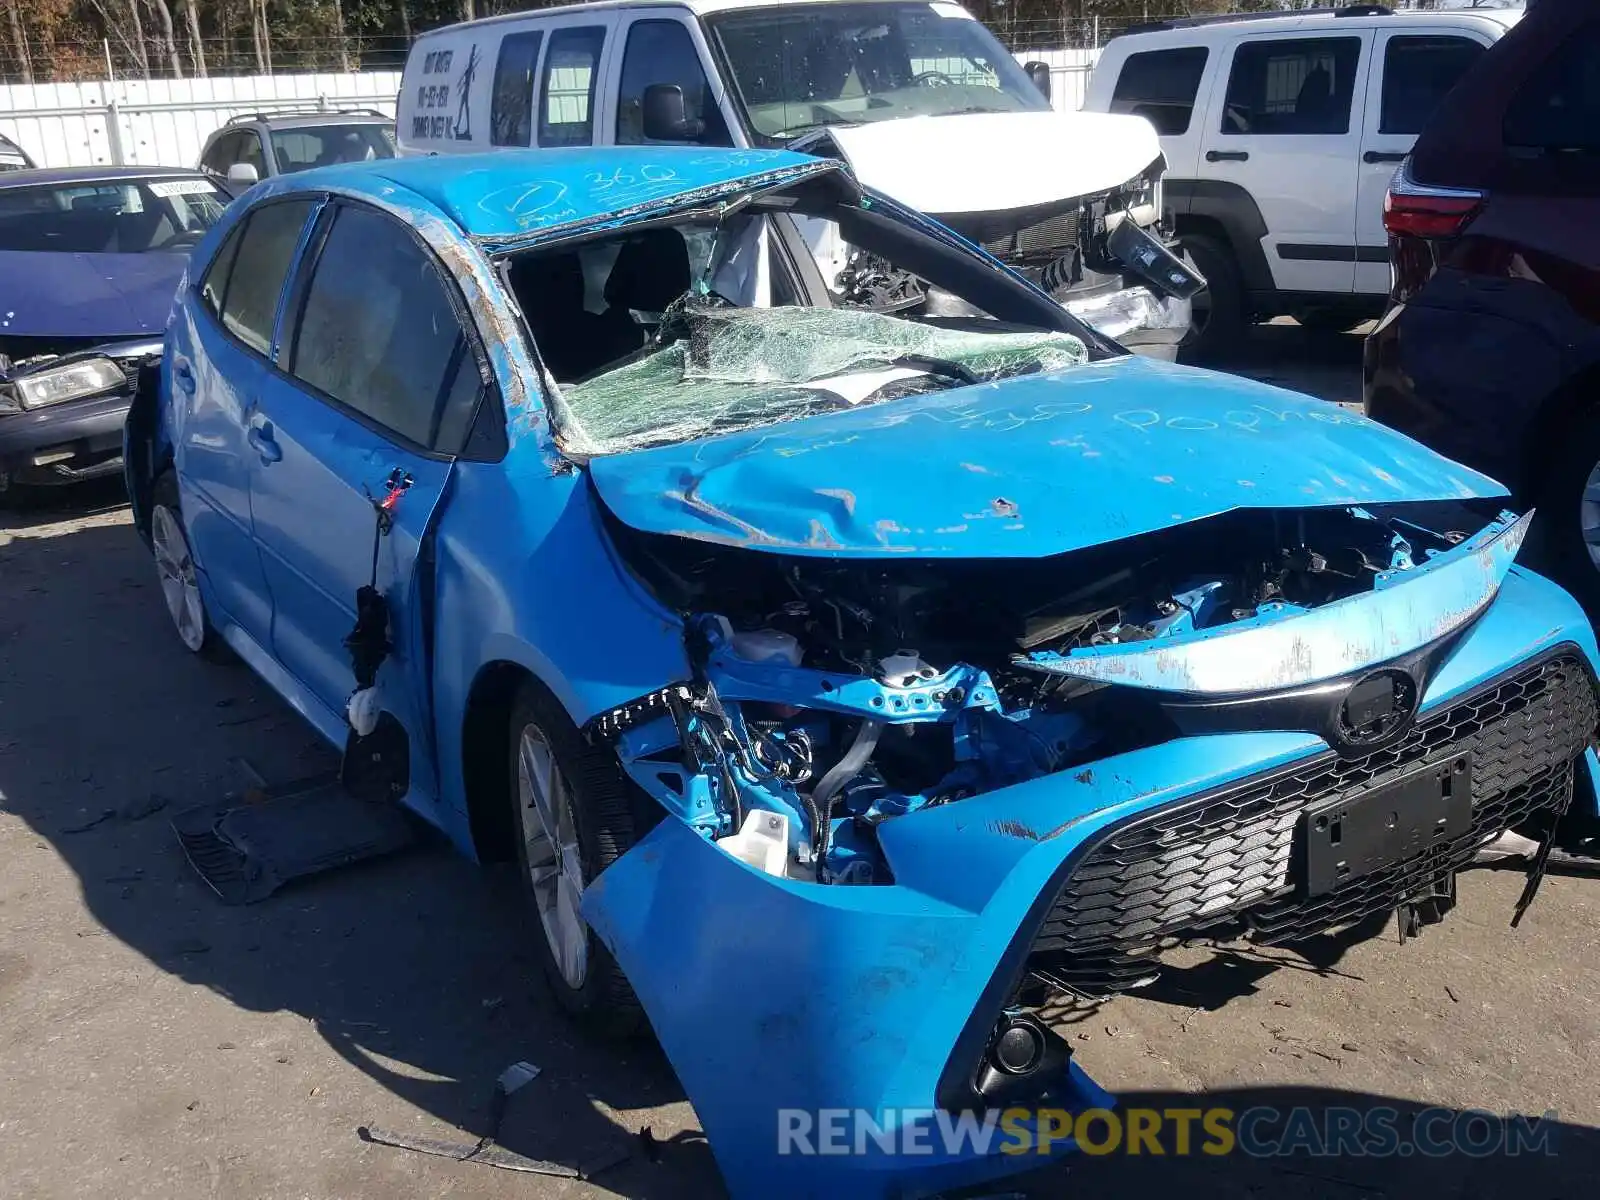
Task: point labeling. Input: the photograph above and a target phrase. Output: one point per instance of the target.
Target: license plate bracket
(1346, 839)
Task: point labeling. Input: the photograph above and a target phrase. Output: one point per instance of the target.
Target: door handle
(1378, 156)
(262, 442)
(1227, 156)
(183, 375)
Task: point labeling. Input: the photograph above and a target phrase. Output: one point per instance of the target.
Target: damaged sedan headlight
(69, 381)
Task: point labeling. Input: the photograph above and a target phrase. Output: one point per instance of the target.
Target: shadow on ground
(417, 971)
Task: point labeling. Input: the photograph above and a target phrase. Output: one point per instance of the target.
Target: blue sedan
(850, 664)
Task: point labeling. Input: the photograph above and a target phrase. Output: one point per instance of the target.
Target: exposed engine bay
(841, 693)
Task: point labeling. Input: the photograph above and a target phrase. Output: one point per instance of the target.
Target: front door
(216, 370)
(1412, 69)
(1285, 126)
(376, 385)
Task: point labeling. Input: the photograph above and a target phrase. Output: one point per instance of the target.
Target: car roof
(69, 175)
(506, 195)
(1191, 30)
(699, 7)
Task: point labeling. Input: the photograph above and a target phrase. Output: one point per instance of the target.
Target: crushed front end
(912, 800)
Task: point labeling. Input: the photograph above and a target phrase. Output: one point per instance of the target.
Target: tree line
(43, 41)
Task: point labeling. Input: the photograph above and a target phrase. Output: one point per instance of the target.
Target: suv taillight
(1418, 210)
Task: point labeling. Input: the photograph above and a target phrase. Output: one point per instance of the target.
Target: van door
(1285, 125)
(1411, 72)
(667, 47)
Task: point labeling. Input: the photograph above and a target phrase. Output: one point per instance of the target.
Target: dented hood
(991, 162)
(1025, 468)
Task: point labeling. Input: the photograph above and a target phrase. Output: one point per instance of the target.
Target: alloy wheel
(554, 863)
(175, 567)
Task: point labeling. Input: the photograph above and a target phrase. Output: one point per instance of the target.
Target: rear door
(217, 367)
(1413, 68)
(1285, 125)
(377, 380)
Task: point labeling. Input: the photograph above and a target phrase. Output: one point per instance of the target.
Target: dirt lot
(155, 1043)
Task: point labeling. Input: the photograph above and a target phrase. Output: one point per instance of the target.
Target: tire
(1556, 545)
(599, 825)
(180, 590)
(1219, 316)
(1328, 320)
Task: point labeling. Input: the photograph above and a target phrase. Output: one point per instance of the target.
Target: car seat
(549, 290)
(650, 274)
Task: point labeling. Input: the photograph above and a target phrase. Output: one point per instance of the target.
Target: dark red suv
(1490, 349)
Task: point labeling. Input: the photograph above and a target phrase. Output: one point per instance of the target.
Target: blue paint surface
(105, 296)
(1031, 466)
(513, 195)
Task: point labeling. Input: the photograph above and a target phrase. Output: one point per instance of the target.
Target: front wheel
(1218, 321)
(175, 569)
(574, 816)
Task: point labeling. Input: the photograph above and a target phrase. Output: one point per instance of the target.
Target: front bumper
(775, 998)
(64, 443)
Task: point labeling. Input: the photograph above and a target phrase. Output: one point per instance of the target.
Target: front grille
(1224, 863)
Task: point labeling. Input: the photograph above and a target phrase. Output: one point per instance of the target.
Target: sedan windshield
(802, 66)
(323, 145)
(121, 216)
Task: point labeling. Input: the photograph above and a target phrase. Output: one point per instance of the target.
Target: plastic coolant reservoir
(766, 645)
(762, 841)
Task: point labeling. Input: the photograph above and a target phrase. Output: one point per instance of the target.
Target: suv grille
(1226, 859)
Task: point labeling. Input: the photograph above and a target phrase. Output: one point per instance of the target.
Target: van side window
(1558, 110)
(511, 112)
(1417, 72)
(571, 70)
(1292, 86)
(1160, 85)
(662, 52)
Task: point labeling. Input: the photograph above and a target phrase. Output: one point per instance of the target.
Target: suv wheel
(574, 814)
(1219, 316)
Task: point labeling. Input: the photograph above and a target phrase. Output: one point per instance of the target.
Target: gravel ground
(155, 1043)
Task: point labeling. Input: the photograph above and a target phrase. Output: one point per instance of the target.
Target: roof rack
(1349, 10)
(320, 109)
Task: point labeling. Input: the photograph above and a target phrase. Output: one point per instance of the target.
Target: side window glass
(220, 156)
(1558, 109)
(260, 266)
(1297, 86)
(511, 111)
(250, 152)
(1417, 73)
(215, 284)
(1160, 85)
(378, 334)
(662, 52)
(571, 69)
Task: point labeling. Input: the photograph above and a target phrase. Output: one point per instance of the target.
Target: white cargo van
(916, 95)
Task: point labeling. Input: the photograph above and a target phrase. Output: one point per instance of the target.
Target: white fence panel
(1069, 74)
(164, 122)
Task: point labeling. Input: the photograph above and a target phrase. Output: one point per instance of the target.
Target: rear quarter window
(1558, 109)
(1160, 85)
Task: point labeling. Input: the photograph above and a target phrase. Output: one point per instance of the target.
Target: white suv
(1281, 134)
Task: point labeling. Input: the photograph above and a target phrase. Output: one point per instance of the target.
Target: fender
(146, 446)
(1233, 208)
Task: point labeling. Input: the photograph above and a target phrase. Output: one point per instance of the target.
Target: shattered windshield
(799, 67)
(718, 370)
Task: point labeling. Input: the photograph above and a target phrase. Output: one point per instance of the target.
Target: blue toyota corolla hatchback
(853, 650)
